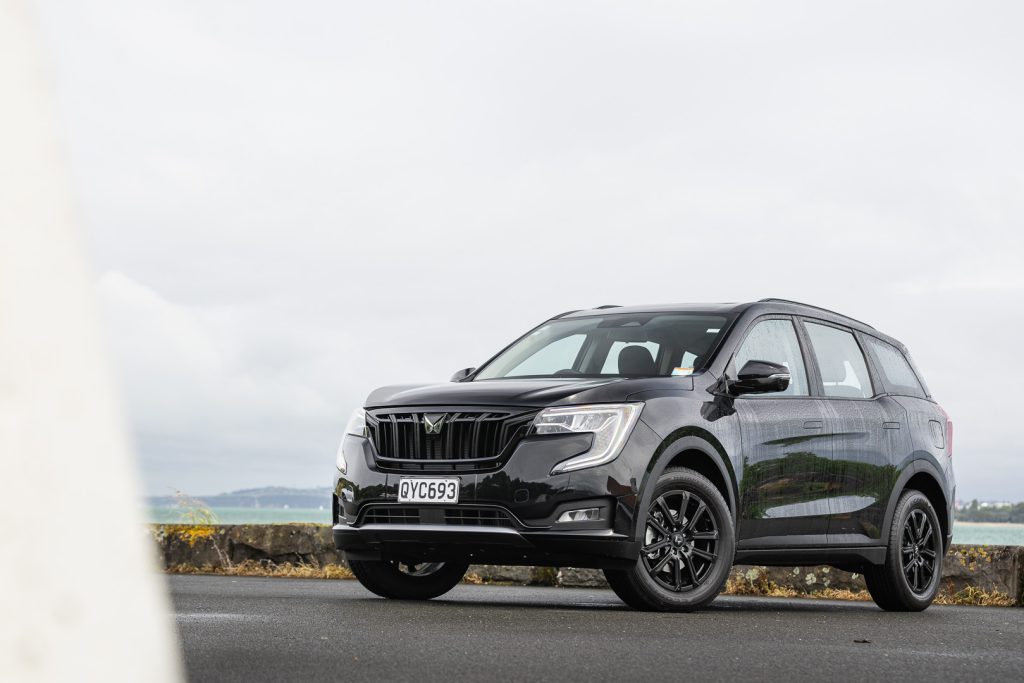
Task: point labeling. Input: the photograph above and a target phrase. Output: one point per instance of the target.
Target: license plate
(424, 490)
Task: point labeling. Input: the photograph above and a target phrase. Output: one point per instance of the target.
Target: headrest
(636, 360)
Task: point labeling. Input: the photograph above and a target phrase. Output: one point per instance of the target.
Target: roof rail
(818, 308)
(595, 308)
(562, 315)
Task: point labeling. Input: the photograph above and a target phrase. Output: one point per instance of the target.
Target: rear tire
(688, 547)
(909, 580)
(408, 580)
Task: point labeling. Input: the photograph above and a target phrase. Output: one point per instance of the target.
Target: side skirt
(798, 557)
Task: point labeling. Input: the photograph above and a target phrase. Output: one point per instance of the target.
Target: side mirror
(760, 377)
(462, 374)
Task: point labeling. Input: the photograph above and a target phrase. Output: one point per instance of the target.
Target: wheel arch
(695, 449)
(924, 477)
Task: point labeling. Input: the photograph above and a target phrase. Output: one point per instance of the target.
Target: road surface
(254, 629)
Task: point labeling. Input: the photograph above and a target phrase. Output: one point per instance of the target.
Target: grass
(269, 569)
(969, 596)
(972, 595)
(477, 580)
(765, 588)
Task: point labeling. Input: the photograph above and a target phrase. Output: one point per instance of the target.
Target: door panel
(865, 437)
(784, 482)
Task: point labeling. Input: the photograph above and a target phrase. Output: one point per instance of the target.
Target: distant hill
(268, 497)
(986, 512)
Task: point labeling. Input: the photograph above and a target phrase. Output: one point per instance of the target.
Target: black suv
(661, 444)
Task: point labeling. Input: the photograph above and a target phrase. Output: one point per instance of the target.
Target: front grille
(392, 515)
(401, 514)
(468, 439)
(477, 517)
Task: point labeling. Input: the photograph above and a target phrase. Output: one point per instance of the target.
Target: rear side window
(775, 341)
(844, 373)
(897, 375)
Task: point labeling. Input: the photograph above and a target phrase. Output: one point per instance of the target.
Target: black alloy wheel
(688, 547)
(681, 541)
(908, 580)
(408, 580)
(418, 568)
(919, 552)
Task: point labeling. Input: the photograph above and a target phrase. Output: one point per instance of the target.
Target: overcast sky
(289, 204)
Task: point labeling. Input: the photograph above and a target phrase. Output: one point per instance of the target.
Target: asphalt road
(251, 629)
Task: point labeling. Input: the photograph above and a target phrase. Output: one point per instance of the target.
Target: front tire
(688, 547)
(408, 580)
(909, 579)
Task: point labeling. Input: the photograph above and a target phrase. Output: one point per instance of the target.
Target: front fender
(680, 441)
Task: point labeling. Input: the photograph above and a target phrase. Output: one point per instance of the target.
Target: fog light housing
(584, 515)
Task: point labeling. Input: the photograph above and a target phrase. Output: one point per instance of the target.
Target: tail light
(949, 433)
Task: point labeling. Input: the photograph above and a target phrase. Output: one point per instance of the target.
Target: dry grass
(278, 571)
(972, 595)
(764, 587)
(477, 580)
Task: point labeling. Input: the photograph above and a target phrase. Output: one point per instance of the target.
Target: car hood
(502, 392)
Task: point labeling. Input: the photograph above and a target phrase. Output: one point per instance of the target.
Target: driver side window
(775, 341)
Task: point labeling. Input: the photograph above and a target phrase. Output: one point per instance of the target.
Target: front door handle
(890, 425)
(813, 424)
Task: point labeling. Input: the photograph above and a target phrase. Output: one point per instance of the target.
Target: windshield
(615, 345)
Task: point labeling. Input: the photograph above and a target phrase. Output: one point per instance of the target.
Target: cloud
(205, 402)
(293, 207)
(980, 283)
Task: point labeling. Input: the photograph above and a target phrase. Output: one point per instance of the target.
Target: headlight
(357, 423)
(339, 460)
(356, 427)
(610, 425)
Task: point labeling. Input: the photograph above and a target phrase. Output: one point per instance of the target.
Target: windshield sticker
(682, 371)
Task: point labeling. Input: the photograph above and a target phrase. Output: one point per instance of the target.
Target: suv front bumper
(483, 545)
(522, 499)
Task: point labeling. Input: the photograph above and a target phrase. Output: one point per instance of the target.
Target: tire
(909, 579)
(408, 581)
(674, 572)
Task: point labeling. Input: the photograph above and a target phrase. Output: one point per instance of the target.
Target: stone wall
(989, 568)
(222, 545)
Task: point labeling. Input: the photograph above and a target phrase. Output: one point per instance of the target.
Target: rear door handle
(813, 424)
(890, 425)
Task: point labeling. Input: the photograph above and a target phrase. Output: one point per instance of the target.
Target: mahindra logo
(432, 423)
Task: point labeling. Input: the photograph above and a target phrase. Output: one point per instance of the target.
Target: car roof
(762, 306)
(612, 309)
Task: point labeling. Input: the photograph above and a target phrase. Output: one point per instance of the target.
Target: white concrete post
(80, 598)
